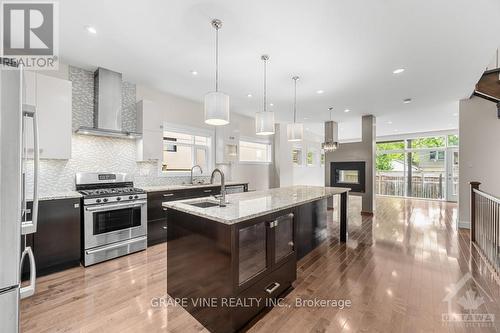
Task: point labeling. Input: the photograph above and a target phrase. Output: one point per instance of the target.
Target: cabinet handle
(272, 287)
(168, 195)
(291, 243)
(207, 191)
(272, 224)
(164, 228)
(165, 209)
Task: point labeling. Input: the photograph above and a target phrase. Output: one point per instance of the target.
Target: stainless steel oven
(114, 218)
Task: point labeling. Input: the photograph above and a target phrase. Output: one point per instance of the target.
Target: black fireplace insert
(348, 174)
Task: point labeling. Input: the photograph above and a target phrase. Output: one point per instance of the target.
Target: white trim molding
(463, 224)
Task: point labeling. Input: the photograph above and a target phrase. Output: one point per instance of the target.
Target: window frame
(315, 160)
(259, 141)
(300, 156)
(193, 131)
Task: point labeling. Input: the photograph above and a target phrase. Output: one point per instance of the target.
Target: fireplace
(348, 174)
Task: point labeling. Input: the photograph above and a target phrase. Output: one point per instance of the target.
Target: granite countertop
(55, 195)
(158, 188)
(248, 205)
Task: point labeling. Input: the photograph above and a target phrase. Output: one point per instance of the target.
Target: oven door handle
(102, 208)
(117, 245)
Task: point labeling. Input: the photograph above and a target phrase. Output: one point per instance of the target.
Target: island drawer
(266, 290)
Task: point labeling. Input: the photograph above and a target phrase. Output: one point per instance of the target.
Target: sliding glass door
(452, 174)
(424, 168)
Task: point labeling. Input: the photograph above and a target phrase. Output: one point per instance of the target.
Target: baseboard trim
(463, 224)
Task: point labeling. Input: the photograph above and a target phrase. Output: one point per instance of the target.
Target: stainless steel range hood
(107, 106)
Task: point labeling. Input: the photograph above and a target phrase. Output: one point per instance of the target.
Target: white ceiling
(346, 48)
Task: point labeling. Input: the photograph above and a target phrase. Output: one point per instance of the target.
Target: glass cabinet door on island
(252, 244)
(283, 236)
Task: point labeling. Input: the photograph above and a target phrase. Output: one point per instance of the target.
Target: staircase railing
(485, 224)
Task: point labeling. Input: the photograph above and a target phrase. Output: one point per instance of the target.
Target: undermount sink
(203, 204)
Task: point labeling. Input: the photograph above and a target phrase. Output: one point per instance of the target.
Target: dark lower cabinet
(157, 222)
(56, 243)
(157, 231)
(250, 263)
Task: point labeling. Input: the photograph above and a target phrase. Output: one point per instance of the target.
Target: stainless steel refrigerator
(15, 119)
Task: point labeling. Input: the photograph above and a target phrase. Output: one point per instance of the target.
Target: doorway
(452, 174)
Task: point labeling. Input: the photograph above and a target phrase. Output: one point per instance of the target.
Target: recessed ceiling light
(305, 118)
(90, 29)
(389, 122)
(249, 95)
(455, 114)
(396, 130)
(398, 71)
(347, 110)
(319, 91)
(194, 73)
(271, 104)
(407, 100)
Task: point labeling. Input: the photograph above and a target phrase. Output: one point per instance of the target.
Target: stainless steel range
(114, 216)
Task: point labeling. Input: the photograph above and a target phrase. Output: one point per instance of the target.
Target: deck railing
(427, 185)
(485, 224)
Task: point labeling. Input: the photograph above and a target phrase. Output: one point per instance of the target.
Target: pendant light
(264, 120)
(295, 131)
(216, 102)
(331, 144)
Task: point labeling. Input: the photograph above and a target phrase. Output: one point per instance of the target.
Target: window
(297, 156)
(322, 158)
(436, 155)
(453, 140)
(429, 142)
(182, 150)
(255, 152)
(311, 158)
(391, 145)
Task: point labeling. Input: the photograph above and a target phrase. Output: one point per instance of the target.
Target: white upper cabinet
(52, 98)
(149, 116)
(150, 124)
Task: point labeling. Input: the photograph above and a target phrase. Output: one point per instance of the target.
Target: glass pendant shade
(264, 123)
(216, 108)
(329, 146)
(295, 132)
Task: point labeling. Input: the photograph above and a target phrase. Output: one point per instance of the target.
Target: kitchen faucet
(222, 197)
(194, 166)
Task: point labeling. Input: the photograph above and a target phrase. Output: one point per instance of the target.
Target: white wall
(287, 173)
(181, 111)
(479, 151)
(309, 175)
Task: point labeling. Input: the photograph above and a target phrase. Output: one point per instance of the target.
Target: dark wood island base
(225, 274)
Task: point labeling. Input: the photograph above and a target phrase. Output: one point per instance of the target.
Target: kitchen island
(225, 264)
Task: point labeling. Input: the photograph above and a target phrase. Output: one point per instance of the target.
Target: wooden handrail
(486, 195)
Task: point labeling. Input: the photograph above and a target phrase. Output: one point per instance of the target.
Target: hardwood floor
(396, 269)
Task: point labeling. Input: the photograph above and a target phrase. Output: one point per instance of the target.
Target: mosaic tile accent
(129, 113)
(83, 100)
(83, 97)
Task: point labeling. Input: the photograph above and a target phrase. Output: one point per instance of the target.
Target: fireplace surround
(348, 174)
